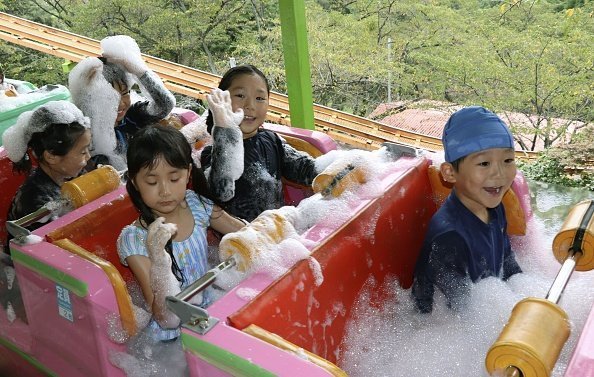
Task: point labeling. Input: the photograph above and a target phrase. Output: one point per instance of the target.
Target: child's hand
(158, 235)
(219, 103)
(124, 51)
(135, 66)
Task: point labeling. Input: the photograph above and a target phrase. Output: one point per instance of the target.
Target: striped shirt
(190, 254)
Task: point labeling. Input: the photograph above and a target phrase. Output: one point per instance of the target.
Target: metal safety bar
(191, 316)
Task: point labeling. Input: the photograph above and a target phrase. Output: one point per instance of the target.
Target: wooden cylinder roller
(268, 229)
(530, 343)
(532, 339)
(339, 176)
(577, 236)
(91, 185)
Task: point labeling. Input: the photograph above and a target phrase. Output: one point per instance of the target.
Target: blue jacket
(459, 248)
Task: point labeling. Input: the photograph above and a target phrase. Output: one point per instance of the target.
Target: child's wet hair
(245, 69)
(157, 141)
(151, 143)
(114, 74)
(456, 163)
(227, 81)
(56, 138)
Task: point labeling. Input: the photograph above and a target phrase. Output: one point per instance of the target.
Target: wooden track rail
(350, 129)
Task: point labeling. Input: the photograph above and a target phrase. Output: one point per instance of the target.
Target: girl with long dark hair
(159, 170)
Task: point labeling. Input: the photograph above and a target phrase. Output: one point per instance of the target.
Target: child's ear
(448, 172)
(50, 158)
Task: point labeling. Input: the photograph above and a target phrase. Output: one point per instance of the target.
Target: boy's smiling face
(482, 179)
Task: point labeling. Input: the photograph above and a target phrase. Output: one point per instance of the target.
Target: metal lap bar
(194, 317)
(575, 253)
(17, 229)
(398, 150)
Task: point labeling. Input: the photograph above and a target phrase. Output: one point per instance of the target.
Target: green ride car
(29, 97)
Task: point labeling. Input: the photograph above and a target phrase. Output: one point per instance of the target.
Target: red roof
(431, 119)
(426, 122)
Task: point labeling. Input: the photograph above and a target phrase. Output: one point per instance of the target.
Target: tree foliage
(24, 64)
(527, 56)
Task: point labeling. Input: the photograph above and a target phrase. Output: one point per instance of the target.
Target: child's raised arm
(226, 162)
(124, 51)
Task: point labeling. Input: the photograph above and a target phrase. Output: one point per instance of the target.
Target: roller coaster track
(350, 129)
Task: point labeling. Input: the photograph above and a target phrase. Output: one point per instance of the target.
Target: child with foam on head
(101, 87)
(59, 137)
(467, 239)
(166, 248)
(246, 163)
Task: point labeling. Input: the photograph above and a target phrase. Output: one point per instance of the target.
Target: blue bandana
(474, 129)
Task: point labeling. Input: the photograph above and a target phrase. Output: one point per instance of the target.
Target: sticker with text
(64, 303)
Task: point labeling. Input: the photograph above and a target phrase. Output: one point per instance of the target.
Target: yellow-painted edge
(119, 286)
(302, 145)
(281, 343)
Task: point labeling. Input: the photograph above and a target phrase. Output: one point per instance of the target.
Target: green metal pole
(296, 53)
(67, 66)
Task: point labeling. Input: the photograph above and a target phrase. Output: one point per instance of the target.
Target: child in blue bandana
(467, 240)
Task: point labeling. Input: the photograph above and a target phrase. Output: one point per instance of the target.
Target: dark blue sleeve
(422, 292)
(297, 166)
(205, 157)
(159, 104)
(446, 267)
(510, 265)
(223, 155)
(156, 107)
